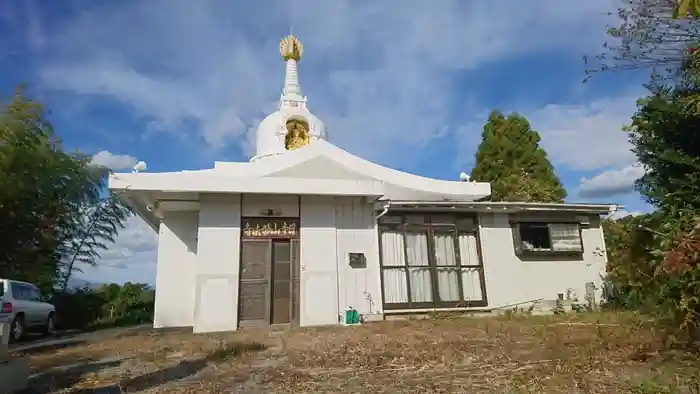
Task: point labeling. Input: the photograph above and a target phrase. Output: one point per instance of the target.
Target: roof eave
(493, 207)
(139, 208)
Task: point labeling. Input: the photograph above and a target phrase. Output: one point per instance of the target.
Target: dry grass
(595, 353)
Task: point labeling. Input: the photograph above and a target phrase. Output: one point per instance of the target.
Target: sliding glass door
(431, 263)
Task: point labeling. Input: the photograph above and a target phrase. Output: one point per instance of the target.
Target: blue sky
(180, 84)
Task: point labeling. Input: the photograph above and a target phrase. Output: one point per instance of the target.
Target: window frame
(432, 224)
(522, 252)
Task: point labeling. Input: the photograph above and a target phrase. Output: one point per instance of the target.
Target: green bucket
(351, 316)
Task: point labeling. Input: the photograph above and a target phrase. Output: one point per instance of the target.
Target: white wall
(284, 205)
(332, 227)
(218, 263)
(175, 270)
(511, 280)
(359, 287)
(319, 276)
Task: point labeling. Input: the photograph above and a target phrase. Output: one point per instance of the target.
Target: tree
(686, 8)
(44, 194)
(656, 35)
(630, 244)
(665, 138)
(647, 37)
(652, 37)
(102, 223)
(510, 158)
(38, 183)
(664, 135)
(105, 306)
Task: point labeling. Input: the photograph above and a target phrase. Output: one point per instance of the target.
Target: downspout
(338, 259)
(611, 211)
(384, 212)
(376, 218)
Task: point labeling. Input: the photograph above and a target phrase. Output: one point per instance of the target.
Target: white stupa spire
(291, 51)
(293, 125)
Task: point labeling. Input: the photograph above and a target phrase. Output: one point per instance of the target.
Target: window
(540, 237)
(33, 293)
(430, 262)
(23, 292)
(18, 292)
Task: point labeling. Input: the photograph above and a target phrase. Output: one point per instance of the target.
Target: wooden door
(296, 268)
(285, 288)
(281, 279)
(254, 300)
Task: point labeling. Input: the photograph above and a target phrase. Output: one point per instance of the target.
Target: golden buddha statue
(297, 134)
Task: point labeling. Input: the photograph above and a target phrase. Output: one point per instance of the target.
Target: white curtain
(565, 237)
(471, 280)
(448, 282)
(448, 285)
(445, 250)
(421, 290)
(471, 284)
(417, 251)
(468, 250)
(395, 287)
(392, 249)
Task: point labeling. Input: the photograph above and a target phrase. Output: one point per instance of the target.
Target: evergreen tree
(510, 158)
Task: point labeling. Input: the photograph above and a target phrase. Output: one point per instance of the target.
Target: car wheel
(50, 325)
(17, 329)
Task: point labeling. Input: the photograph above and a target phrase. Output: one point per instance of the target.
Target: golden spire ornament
(291, 48)
(687, 8)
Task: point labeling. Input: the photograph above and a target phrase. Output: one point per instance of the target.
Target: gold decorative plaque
(270, 228)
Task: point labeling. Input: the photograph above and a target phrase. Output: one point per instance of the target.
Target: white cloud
(588, 136)
(577, 137)
(389, 89)
(132, 257)
(113, 161)
(611, 182)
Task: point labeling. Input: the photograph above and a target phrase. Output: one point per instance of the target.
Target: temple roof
(319, 168)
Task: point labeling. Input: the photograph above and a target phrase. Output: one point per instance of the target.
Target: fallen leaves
(598, 353)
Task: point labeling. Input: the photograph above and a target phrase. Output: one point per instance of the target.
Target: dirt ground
(585, 353)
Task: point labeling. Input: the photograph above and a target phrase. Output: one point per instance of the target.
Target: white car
(21, 305)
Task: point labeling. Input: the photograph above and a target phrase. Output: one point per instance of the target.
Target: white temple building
(306, 230)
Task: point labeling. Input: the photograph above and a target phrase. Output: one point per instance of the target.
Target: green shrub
(106, 306)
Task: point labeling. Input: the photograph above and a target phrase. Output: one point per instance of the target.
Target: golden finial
(291, 48)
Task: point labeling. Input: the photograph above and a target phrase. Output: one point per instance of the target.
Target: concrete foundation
(14, 370)
(14, 375)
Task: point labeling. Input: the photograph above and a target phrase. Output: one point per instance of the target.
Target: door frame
(294, 242)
